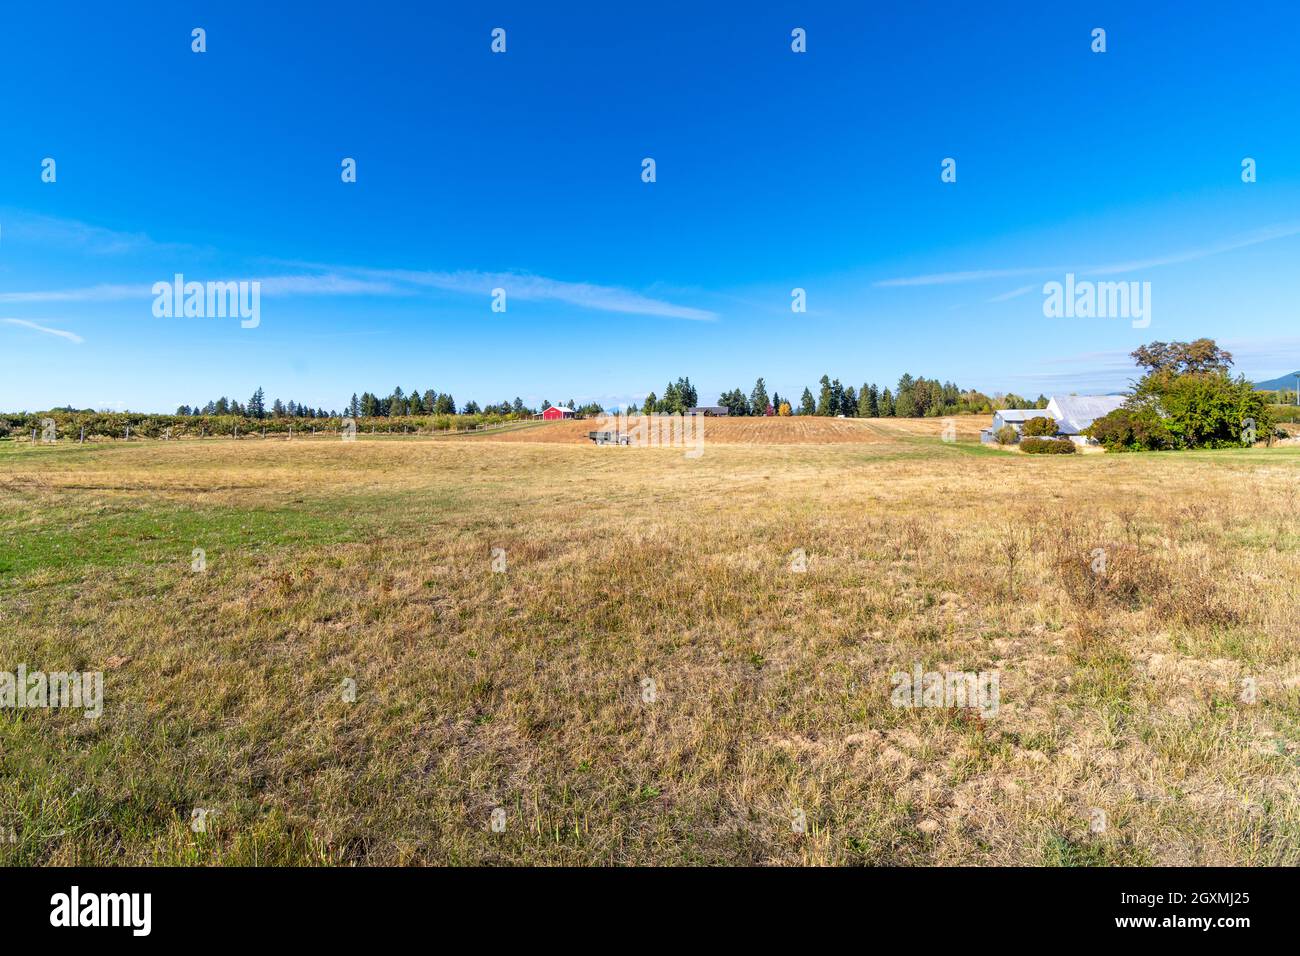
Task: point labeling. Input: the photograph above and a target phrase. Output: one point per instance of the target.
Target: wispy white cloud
(24, 323)
(1013, 294)
(951, 278)
(97, 293)
(398, 282)
(70, 234)
(539, 288)
(1268, 234)
(327, 284)
(290, 285)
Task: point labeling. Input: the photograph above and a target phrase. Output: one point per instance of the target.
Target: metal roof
(1020, 414)
(1074, 413)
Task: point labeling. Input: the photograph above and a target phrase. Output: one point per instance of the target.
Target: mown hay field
(357, 677)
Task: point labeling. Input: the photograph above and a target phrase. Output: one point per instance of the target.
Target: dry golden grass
(794, 430)
(523, 690)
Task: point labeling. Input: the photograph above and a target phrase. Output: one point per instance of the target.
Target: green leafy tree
(1040, 426)
(1187, 399)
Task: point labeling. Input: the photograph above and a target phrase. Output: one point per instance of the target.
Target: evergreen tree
(686, 392)
(886, 404)
(849, 403)
(806, 406)
(758, 398)
(826, 400)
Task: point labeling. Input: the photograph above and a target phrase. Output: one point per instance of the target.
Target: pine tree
(826, 400)
(686, 392)
(758, 398)
(886, 404)
(866, 401)
(806, 406)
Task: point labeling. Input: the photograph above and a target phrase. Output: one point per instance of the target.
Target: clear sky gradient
(522, 170)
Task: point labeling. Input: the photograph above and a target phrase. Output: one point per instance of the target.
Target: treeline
(398, 404)
(72, 425)
(911, 398)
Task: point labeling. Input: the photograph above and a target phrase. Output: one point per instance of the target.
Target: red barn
(555, 412)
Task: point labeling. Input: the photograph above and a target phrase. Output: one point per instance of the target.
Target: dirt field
(668, 660)
(795, 430)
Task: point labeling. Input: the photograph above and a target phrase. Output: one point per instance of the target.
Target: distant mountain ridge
(1273, 384)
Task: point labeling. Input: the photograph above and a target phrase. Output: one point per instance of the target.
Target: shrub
(1006, 435)
(1047, 446)
(1130, 429)
(1040, 426)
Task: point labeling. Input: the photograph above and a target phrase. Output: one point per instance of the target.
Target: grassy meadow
(226, 690)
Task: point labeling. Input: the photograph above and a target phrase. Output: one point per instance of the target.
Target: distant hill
(1273, 384)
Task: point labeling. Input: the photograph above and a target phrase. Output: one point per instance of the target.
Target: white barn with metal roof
(1072, 414)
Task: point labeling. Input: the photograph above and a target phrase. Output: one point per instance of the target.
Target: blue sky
(522, 170)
